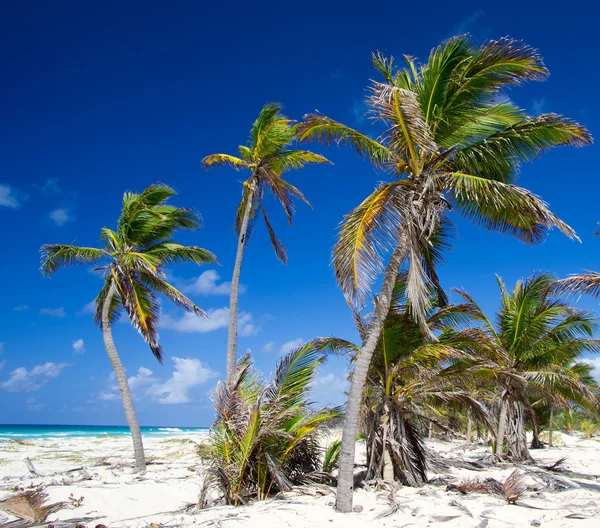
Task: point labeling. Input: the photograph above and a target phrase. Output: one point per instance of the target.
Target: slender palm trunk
(550, 426)
(501, 429)
(345, 487)
(469, 427)
(109, 344)
(235, 287)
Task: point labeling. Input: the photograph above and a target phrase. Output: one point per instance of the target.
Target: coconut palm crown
(450, 140)
(133, 258)
(267, 157)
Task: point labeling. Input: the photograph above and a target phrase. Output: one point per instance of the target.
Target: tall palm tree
(267, 157)
(410, 382)
(132, 259)
(451, 140)
(533, 352)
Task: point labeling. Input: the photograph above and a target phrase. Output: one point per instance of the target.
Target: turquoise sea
(77, 431)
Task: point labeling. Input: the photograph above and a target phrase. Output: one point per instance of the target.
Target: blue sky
(112, 96)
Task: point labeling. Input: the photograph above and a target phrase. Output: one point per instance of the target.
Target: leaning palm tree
(411, 382)
(132, 259)
(533, 353)
(451, 140)
(267, 157)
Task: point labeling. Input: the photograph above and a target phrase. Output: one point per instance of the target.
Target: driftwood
(70, 523)
(31, 467)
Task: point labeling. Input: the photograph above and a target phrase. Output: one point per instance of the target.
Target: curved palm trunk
(516, 449)
(345, 487)
(550, 427)
(235, 287)
(138, 446)
(501, 428)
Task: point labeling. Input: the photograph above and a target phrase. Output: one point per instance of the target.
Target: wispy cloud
(21, 308)
(10, 196)
(61, 216)
(49, 186)
(23, 380)
(79, 346)
(329, 389)
(268, 347)
(188, 373)
(34, 405)
(217, 318)
(466, 24)
(358, 111)
(88, 308)
(539, 106)
(53, 312)
(290, 345)
(208, 284)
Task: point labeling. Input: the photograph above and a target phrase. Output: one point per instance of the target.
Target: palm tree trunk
(469, 426)
(550, 426)
(345, 487)
(501, 429)
(109, 344)
(235, 286)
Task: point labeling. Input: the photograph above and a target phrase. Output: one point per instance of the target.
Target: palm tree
(409, 384)
(266, 435)
(533, 354)
(132, 259)
(450, 141)
(267, 157)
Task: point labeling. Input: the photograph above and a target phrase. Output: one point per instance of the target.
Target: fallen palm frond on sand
(511, 489)
(30, 506)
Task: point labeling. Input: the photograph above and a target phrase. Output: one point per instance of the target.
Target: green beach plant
(266, 435)
(450, 141)
(132, 261)
(267, 156)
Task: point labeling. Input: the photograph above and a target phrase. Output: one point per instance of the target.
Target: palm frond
(54, 256)
(224, 160)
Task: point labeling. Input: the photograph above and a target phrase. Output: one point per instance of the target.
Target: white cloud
(188, 373)
(20, 308)
(329, 389)
(594, 362)
(143, 377)
(79, 346)
(108, 396)
(22, 380)
(268, 347)
(89, 307)
(217, 318)
(290, 345)
(53, 312)
(10, 197)
(206, 284)
(61, 216)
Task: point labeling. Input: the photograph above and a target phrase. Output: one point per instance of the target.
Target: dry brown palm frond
(466, 486)
(584, 283)
(30, 506)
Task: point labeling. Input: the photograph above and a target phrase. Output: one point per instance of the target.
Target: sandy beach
(99, 470)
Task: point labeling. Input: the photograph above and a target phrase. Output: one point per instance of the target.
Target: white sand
(114, 496)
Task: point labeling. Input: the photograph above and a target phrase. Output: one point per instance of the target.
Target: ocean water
(78, 431)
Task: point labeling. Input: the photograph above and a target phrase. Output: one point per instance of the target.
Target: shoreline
(100, 471)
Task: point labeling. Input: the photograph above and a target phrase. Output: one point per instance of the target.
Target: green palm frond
(503, 207)
(224, 159)
(173, 253)
(320, 128)
(56, 255)
(368, 232)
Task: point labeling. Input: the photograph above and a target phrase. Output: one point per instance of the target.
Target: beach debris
(21, 442)
(27, 461)
(556, 465)
(29, 506)
(75, 502)
(357, 508)
(457, 504)
(511, 489)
